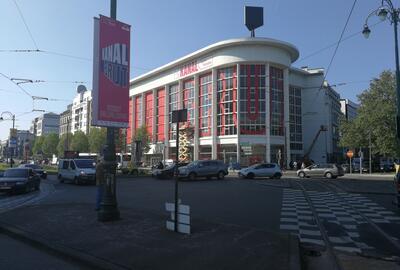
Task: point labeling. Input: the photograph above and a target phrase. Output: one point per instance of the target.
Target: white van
(77, 171)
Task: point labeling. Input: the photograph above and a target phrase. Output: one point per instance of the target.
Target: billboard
(111, 61)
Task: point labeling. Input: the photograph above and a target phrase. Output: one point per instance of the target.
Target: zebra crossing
(340, 213)
(8, 203)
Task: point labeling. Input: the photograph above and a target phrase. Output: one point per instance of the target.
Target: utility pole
(11, 154)
(108, 207)
(370, 153)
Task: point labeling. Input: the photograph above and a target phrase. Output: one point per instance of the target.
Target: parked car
(329, 170)
(77, 171)
(271, 170)
(18, 180)
(204, 168)
(167, 172)
(1, 174)
(38, 169)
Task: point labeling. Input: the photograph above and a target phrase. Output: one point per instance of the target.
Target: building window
(205, 108)
(160, 115)
(295, 121)
(129, 129)
(138, 112)
(173, 105)
(227, 101)
(188, 100)
(252, 99)
(276, 101)
(149, 113)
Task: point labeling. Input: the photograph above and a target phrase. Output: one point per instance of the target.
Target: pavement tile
(140, 241)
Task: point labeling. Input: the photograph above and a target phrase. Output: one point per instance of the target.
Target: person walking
(99, 182)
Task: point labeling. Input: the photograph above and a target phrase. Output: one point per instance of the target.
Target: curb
(38, 241)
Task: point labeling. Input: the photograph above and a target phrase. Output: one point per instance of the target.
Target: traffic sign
(350, 154)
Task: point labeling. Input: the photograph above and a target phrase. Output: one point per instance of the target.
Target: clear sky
(163, 31)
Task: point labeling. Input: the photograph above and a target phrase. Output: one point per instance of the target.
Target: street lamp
(9, 116)
(387, 10)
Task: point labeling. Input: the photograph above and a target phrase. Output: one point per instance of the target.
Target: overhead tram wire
(10, 79)
(26, 25)
(337, 45)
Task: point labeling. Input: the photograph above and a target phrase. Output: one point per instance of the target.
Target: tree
(142, 135)
(97, 139)
(80, 142)
(64, 144)
(50, 143)
(37, 147)
(376, 118)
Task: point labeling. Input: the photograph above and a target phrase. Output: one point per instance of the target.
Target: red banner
(111, 63)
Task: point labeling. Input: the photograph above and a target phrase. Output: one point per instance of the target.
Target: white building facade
(81, 112)
(245, 104)
(47, 123)
(349, 108)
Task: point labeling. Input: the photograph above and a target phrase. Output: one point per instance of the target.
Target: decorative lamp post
(388, 11)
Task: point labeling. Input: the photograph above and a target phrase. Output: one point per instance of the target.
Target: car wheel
(37, 187)
(221, 175)
(192, 176)
(60, 179)
(135, 173)
(27, 188)
(328, 175)
(277, 175)
(76, 181)
(302, 174)
(208, 177)
(250, 175)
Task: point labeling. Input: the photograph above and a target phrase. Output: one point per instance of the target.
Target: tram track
(331, 255)
(342, 195)
(338, 191)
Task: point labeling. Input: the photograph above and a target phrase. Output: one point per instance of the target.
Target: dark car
(167, 172)
(18, 180)
(38, 169)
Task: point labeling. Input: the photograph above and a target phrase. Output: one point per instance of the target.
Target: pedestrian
(99, 182)
(160, 165)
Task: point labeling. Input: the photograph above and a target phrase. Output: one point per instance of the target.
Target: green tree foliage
(376, 118)
(80, 142)
(97, 138)
(50, 143)
(141, 134)
(37, 147)
(64, 144)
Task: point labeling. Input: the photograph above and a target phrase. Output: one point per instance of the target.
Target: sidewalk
(140, 240)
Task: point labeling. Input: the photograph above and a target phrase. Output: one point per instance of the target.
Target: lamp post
(10, 116)
(109, 207)
(387, 10)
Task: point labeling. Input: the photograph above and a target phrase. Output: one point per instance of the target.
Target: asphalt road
(347, 215)
(16, 255)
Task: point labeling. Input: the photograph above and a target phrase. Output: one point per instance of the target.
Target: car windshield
(16, 173)
(33, 166)
(194, 163)
(84, 163)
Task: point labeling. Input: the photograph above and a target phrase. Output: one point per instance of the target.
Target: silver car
(271, 170)
(329, 170)
(204, 168)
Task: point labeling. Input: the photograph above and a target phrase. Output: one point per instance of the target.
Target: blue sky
(165, 30)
